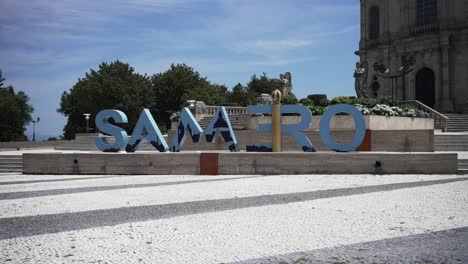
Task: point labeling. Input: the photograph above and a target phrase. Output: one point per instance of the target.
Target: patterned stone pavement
(234, 219)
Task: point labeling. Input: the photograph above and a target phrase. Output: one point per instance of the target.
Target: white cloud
(43, 38)
(277, 45)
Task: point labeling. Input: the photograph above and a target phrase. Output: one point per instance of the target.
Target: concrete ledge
(154, 163)
(242, 163)
(337, 163)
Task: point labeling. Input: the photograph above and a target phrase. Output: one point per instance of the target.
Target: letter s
(103, 125)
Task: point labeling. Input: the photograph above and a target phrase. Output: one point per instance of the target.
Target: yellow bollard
(276, 121)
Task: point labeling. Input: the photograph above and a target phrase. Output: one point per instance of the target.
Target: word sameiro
(146, 128)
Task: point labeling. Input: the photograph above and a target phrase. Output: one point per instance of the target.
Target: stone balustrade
(201, 110)
(425, 29)
(231, 110)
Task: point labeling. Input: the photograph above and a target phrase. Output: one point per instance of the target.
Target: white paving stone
(205, 189)
(239, 234)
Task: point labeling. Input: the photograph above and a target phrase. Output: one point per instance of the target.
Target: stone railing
(425, 29)
(201, 110)
(440, 120)
(231, 110)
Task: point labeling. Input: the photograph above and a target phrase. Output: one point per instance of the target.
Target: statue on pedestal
(360, 75)
(286, 79)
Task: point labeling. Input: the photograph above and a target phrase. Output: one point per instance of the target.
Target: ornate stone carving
(360, 75)
(286, 79)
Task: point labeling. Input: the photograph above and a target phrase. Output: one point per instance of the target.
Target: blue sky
(46, 45)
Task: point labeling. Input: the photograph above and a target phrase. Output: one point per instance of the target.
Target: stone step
(449, 139)
(457, 122)
(463, 166)
(6, 162)
(463, 163)
(457, 146)
(11, 170)
(450, 148)
(92, 147)
(450, 143)
(12, 167)
(11, 163)
(457, 130)
(11, 157)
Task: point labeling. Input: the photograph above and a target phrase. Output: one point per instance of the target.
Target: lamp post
(407, 65)
(87, 122)
(34, 127)
(276, 121)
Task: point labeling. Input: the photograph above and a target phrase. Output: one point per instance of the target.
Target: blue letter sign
(296, 130)
(221, 123)
(102, 123)
(146, 128)
(187, 122)
(360, 127)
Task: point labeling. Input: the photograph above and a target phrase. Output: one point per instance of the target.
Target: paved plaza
(234, 219)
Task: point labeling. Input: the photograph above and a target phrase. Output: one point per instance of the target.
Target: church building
(432, 32)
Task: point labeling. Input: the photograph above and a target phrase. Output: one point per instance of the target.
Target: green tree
(257, 86)
(180, 83)
(1, 79)
(306, 102)
(15, 113)
(211, 94)
(289, 99)
(238, 96)
(319, 99)
(114, 85)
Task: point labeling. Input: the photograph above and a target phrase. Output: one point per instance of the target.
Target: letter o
(359, 133)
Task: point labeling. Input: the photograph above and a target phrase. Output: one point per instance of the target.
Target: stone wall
(381, 140)
(191, 163)
(441, 47)
(373, 122)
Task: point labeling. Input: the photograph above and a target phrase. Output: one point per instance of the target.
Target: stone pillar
(363, 41)
(445, 103)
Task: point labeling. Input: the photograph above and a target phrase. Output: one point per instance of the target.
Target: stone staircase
(11, 163)
(463, 166)
(238, 122)
(451, 142)
(457, 122)
(86, 142)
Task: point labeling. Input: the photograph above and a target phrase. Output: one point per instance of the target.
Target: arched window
(426, 12)
(374, 23)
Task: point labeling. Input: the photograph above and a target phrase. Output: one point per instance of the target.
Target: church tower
(434, 33)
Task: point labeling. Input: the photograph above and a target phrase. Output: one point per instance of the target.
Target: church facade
(432, 32)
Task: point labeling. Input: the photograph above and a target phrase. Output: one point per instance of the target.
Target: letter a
(146, 128)
(187, 122)
(221, 123)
